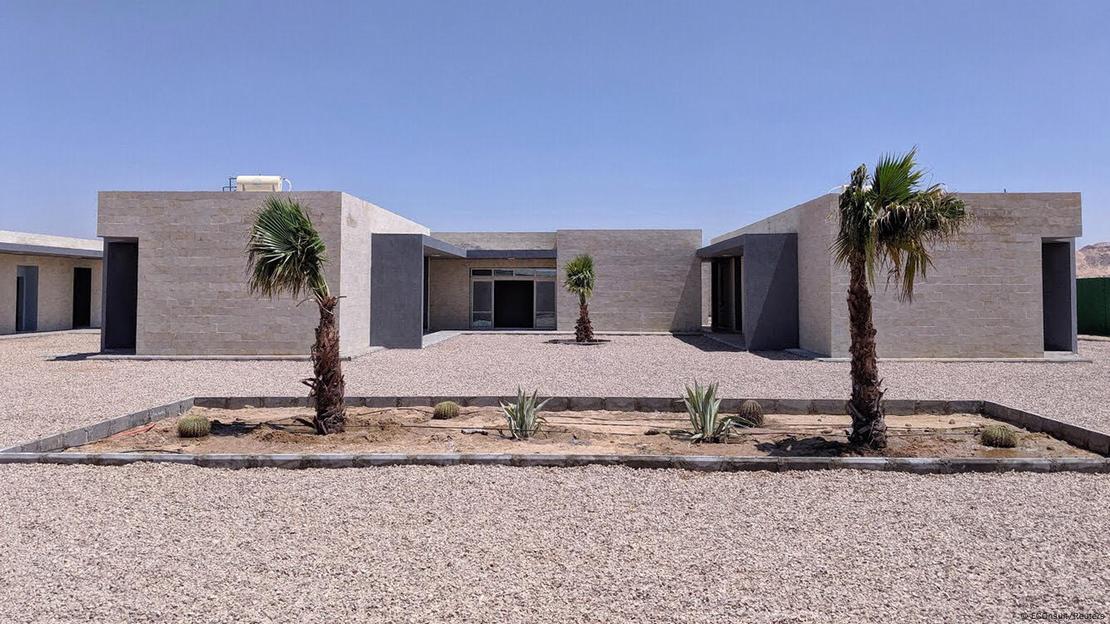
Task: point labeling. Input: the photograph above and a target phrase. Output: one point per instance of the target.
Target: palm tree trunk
(327, 384)
(583, 329)
(868, 424)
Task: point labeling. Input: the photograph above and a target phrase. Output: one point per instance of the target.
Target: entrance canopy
(755, 288)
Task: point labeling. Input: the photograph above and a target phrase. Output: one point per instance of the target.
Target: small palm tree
(580, 281)
(886, 220)
(286, 255)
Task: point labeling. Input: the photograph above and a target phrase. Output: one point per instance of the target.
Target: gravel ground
(470, 544)
(43, 397)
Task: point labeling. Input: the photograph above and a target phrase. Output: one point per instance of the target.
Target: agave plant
(703, 406)
(524, 416)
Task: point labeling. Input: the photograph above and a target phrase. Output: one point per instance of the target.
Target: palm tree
(886, 220)
(580, 281)
(286, 255)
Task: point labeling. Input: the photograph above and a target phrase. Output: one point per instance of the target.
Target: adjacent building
(49, 282)
(1004, 288)
(176, 281)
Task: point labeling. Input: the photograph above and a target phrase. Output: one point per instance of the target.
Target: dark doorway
(121, 293)
(26, 298)
(737, 306)
(82, 296)
(512, 304)
(727, 313)
(1058, 283)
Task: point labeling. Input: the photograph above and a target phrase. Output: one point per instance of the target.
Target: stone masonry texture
(647, 280)
(193, 296)
(982, 297)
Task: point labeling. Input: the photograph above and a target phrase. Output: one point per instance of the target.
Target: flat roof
(28, 244)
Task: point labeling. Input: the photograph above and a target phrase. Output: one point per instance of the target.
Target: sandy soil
(482, 430)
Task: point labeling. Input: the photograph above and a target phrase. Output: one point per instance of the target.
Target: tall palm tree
(286, 255)
(886, 220)
(580, 278)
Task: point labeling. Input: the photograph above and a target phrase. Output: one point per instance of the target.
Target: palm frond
(887, 220)
(580, 276)
(285, 253)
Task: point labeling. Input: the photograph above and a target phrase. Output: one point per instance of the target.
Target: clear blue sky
(525, 115)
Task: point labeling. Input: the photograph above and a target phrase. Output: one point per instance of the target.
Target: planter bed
(406, 430)
(925, 436)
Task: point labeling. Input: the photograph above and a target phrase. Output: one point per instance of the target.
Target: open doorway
(726, 295)
(82, 297)
(1058, 291)
(512, 304)
(26, 298)
(121, 294)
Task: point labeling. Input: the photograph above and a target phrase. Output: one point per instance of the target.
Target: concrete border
(45, 450)
(701, 463)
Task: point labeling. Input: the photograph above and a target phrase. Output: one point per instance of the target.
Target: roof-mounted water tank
(265, 183)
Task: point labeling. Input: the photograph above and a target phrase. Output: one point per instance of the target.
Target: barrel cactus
(446, 410)
(751, 414)
(999, 436)
(193, 426)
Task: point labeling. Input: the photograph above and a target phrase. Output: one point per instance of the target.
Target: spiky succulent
(999, 436)
(193, 426)
(523, 417)
(445, 410)
(703, 407)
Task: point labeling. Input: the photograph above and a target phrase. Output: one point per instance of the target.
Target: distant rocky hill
(1093, 260)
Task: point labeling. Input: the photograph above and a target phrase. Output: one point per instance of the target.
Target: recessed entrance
(121, 292)
(512, 304)
(726, 295)
(26, 298)
(1057, 289)
(512, 298)
(82, 296)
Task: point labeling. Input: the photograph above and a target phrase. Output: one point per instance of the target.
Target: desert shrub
(523, 417)
(193, 426)
(751, 414)
(999, 436)
(445, 410)
(703, 407)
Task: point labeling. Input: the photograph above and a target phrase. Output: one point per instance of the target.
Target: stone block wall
(647, 280)
(982, 297)
(193, 296)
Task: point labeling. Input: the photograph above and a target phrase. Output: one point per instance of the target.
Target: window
(481, 304)
(483, 295)
(545, 305)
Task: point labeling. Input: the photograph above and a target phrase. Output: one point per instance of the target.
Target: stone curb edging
(43, 450)
(701, 463)
(894, 407)
(103, 429)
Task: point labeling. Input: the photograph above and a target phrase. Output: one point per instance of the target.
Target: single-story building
(49, 282)
(1004, 288)
(176, 280)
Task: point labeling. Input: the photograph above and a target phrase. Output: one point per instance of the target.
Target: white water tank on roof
(268, 183)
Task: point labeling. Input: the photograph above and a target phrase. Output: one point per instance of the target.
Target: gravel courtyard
(472, 544)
